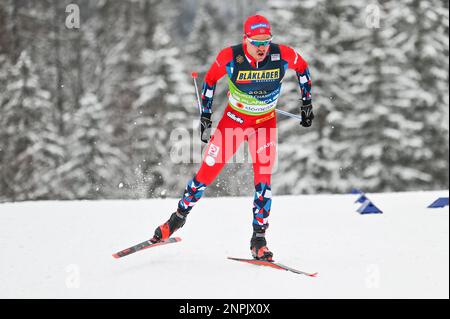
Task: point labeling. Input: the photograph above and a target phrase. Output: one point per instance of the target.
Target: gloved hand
(307, 114)
(205, 127)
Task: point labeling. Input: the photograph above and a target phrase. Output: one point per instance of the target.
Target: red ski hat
(255, 25)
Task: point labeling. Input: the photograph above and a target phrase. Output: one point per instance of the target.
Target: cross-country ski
(273, 264)
(145, 245)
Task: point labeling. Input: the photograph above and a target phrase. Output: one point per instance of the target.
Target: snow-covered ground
(63, 249)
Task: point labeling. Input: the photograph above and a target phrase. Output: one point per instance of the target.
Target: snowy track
(63, 249)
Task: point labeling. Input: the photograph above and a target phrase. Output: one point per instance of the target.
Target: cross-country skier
(255, 69)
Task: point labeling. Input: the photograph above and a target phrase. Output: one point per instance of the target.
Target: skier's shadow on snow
(158, 264)
(138, 265)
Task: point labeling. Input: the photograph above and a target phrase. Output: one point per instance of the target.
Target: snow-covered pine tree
(164, 99)
(318, 31)
(30, 144)
(389, 151)
(5, 192)
(371, 125)
(421, 32)
(133, 24)
(93, 161)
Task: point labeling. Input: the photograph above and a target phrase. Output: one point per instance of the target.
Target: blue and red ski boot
(176, 221)
(258, 247)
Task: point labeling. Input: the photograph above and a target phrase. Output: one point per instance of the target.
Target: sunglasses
(258, 43)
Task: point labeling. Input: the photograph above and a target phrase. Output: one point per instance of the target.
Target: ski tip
(116, 255)
(238, 259)
(177, 238)
(313, 275)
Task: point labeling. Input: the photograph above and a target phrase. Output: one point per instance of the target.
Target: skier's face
(258, 50)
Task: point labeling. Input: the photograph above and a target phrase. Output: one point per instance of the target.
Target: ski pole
(298, 117)
(194, 76)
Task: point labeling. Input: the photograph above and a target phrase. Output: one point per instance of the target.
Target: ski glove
(205, 127)
(307, 115)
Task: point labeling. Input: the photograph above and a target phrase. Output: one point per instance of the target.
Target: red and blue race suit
(254, 89)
